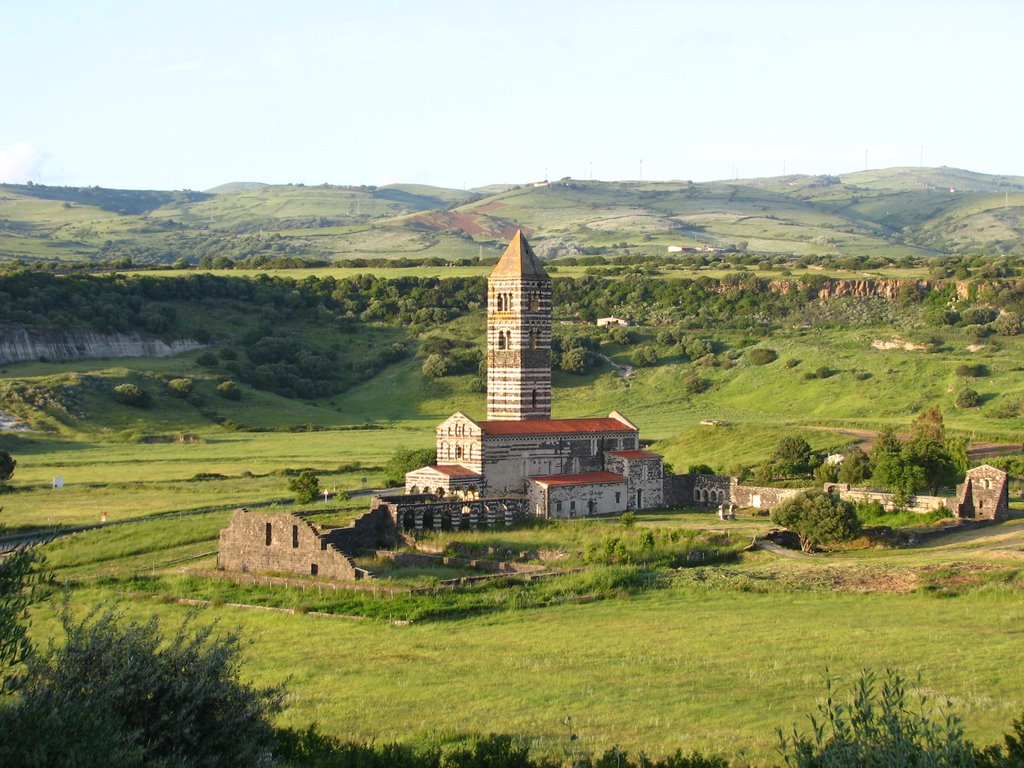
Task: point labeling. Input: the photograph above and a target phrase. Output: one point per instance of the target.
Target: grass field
(715, 662)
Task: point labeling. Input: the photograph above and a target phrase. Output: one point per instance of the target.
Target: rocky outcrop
(20, 345)
(830, 288)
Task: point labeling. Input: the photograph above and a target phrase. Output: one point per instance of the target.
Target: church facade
(564, 467)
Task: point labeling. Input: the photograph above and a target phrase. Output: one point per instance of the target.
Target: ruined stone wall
(374, 529)
(985, 494)
(279, 542)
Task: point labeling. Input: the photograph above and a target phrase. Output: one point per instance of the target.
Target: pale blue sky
(185, 94)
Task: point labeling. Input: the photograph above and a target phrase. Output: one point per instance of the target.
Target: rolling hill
(892, 213)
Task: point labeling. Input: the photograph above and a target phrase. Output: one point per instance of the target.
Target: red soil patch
(470, 223)
(494, 205)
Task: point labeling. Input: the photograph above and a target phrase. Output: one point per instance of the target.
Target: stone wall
(281, 542)
(985, 494)
(20, 345)
(286, 543)
(921, 503)
(759, 497)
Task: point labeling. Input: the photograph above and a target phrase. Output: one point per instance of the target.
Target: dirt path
(775, 549)
(625, 371)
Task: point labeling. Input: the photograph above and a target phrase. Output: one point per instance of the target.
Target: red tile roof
(635, 454)
(585, 478)
(554, 426)
(454, 470)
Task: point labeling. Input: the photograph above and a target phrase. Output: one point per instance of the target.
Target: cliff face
(828, 289)
(20, 345)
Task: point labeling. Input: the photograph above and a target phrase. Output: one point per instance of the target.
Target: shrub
(792, 362)
(967, 398)
(698, 348)
(971, 371)
(644, 356)
(180, 387)
(701, 469)
(131, 394)
(1008, 324)
(207, 359)
(762, 356)
(879, 726)
(622, 336)
(122, 693)
(435, 366)
(227, 353)
(229, 390)
(7, 465)
(695, 385)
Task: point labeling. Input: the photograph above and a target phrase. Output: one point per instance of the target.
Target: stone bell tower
(518, 336)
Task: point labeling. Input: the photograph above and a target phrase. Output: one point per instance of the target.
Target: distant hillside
(237, 186)
(892, 213)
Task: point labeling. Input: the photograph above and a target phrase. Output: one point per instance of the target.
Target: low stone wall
(921, 504)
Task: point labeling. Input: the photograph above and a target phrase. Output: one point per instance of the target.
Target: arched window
(534, 339)
(501, 340)
(535, 302)
(696, 494)
(458, 451)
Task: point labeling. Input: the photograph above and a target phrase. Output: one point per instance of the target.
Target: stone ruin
(285, 542)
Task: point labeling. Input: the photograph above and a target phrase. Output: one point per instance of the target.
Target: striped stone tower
(518, 336)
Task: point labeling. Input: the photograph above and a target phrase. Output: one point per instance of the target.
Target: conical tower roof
(519, 260)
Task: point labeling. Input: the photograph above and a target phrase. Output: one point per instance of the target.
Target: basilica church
(563, 467)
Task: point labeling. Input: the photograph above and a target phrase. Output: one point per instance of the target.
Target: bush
(131, 394)
(762, 356)
(180, 387)
(644, 356)
(121, 693)
(695, 385)
(1008, 324)
(971, 371)
(435, 366)
(208, 359)
(229, 390)
(7, 465)
(406, 460)
(879, 726)
(792, 362)
(698, 348)
(967, 398)
(306, 486)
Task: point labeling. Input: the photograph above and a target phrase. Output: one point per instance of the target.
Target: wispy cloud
(20, 163)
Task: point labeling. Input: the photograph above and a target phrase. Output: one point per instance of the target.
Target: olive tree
(817, 518)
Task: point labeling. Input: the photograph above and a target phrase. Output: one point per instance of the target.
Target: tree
(406, 460)
(879, 726)
(7, 465)
(701, 469)
(818, 518)
(20, 573)
(855, 467)
(120, 693)
(305, 486)
(792, 456)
